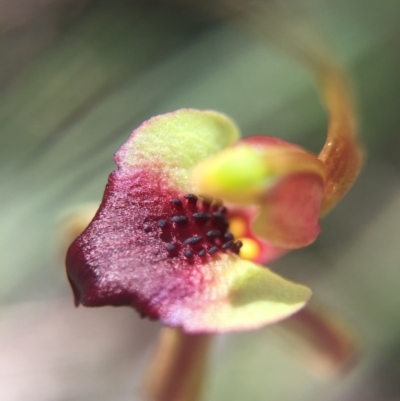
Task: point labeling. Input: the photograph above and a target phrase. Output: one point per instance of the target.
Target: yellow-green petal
(239, 295)
(175, 142)
(238, 174)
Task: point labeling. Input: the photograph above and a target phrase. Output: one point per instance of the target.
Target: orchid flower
(156, 244)
(163, 242)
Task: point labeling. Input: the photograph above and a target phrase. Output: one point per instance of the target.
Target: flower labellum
(162, 245)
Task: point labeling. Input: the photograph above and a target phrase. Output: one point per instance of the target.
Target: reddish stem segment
(327, 344)
(177, 370)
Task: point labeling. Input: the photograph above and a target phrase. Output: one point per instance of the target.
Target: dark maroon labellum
(115, 261)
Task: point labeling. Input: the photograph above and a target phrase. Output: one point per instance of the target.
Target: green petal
(238, 175)
(175, 142)
(241, 295)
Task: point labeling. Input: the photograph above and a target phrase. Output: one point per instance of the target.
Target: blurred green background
(76, 76)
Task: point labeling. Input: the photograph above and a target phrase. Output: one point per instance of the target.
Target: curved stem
(342, 153)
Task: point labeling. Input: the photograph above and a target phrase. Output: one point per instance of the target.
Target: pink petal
(290, 208)
(290, 212)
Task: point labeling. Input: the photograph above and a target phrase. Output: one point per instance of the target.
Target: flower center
(195, 227)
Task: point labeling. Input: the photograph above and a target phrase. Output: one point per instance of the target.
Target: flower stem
(325, 342)
(178, 367)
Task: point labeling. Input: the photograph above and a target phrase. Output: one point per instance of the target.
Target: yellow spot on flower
(250, 249)
(237, 227)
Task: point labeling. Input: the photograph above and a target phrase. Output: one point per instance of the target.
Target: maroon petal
(145, 244)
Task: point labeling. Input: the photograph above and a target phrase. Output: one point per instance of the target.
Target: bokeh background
(76, 76)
